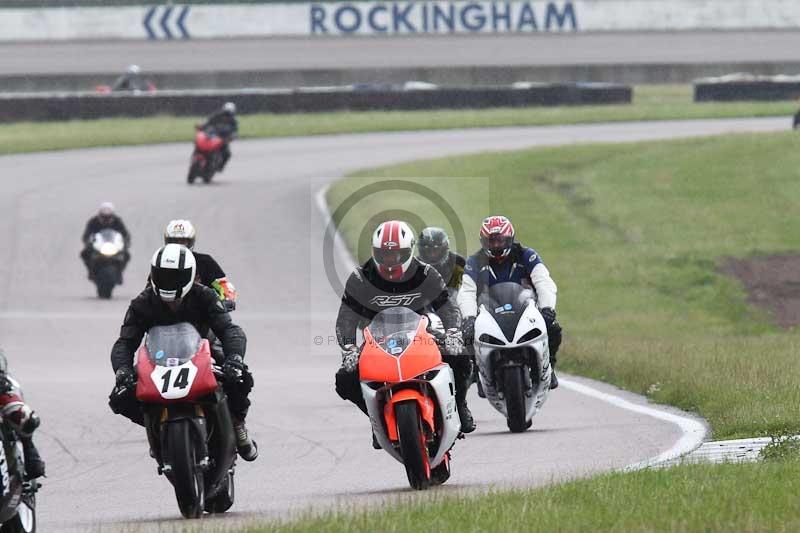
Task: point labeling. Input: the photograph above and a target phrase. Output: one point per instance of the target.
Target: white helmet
(392, 249)
(180, 232)
(229, 107)
(172, 272)
(106, 209)
(134, 69)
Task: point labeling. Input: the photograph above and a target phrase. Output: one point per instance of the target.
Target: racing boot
(247, 448)
(553, 378)
(34, 464)
(467, 422)
(375, 444)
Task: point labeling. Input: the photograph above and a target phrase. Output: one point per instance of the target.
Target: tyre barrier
(743, 87)
(72, 106)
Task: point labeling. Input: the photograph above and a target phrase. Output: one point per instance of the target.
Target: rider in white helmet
(393, 277)
(209, 273)
(131, 80)
(172, 297)
(223, 122)
(106, 218)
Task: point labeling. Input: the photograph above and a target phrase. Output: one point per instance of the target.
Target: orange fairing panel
(425, 404)
(377, 365)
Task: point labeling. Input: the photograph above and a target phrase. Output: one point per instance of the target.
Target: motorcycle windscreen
(172, 345)
(506, 302)
(394, 329)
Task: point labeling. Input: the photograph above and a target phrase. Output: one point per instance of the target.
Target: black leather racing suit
(367, 293)
(201, 308)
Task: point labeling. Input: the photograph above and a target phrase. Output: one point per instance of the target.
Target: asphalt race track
(442, 51)
(261, 221)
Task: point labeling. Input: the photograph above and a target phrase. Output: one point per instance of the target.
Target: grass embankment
(754, 497)
(634, 234)
(650, 103)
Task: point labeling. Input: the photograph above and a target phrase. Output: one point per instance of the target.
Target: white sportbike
(512, 353)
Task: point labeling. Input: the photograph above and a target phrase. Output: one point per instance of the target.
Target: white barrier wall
(390, 18)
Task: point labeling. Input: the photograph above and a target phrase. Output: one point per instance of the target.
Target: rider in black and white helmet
(173, 297)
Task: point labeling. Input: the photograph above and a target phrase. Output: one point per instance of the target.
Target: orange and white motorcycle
(410, 395)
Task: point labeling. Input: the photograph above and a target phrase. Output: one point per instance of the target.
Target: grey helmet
(433, 246)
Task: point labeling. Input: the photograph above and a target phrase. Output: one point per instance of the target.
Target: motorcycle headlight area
(108, 249)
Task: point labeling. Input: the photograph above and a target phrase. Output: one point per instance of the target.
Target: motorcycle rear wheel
(514, 392)
(412, 445)
(186, 477)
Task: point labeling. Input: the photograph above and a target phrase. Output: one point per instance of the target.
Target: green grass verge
(633, 235)
(650, 103)
(752, 497)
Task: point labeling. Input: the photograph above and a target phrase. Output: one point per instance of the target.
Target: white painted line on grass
(694, 431)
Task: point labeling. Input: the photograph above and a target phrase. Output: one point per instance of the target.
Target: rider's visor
(391, 258)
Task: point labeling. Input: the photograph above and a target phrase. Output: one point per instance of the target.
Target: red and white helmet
(497, 236)
(392, 249)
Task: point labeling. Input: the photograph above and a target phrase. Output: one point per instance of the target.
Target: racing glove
(453, 342)
(549, 315)
(468, 330)
(125, 380)
(435, 326)
(233, 368)
(350, 355)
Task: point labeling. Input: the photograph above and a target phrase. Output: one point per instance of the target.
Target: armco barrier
(447, 76)
(19, 107)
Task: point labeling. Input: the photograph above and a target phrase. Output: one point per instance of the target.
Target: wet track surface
(261, 221)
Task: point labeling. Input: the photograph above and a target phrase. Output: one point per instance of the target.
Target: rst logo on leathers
(391, 300)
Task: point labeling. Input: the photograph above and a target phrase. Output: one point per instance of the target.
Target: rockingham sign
(175, 21)
(413, 17)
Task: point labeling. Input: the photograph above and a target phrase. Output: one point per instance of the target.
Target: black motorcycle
(188, 423)
(17, 496)
(107, 261)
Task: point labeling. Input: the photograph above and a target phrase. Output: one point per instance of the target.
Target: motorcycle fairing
(170, 380)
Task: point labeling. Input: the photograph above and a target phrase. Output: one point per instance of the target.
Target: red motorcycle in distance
(207, 157)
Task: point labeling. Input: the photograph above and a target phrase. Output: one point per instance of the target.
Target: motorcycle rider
(433, 247)
(22, 419)
(173, 297)
(209, 273)
(502, 259)
(392, 278)
(223, 122)
(106, 218)
(131, 80)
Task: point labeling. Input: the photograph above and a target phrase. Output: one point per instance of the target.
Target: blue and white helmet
(172, 272)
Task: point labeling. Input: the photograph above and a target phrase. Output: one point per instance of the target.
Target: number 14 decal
(181, 380)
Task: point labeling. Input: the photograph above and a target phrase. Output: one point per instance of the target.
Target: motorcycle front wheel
(514, 392)
(25, 519)
(412, 445)
(186, 477)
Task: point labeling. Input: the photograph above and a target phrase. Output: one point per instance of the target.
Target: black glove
(30, 425)
(125, 380)
(233, 368)
(549, 315)
(125, 377)
(468, 330)
(230, 305)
